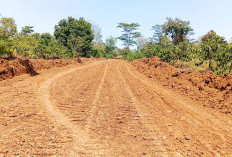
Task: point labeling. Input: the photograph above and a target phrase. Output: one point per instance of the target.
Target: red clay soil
(9, 69)
(209, 89)
(106, 108)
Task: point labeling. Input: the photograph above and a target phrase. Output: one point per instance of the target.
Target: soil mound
(210, 89)
(9, 69)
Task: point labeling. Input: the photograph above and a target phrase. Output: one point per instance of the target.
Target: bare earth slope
(105, 108)
(209, 89)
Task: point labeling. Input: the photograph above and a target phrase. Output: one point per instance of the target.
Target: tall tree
(7, 27)
(46, 38)
(27, 29)
(75, 43)
(97, 33)
(110, 44)
(212, 45)
(178, 30)
(129, 34)
(70, 28)
(141, 42)
(158, 32)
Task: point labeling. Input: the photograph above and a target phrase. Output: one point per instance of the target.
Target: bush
(131, 56)
(110, 55)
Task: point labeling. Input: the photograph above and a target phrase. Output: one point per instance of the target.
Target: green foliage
(110, 44)
(6, 46)
(110, 55)
(183, 51)
(158, 32)
(212, 53)
(177, 29)
(213, 46)
(24, 45)
(129, 33)
(75, 43)
(46, 38)
(166, 50)
(70, 32)
(99, 49)
(151, 50)
(133, 55)
(27, 30)
(38, 46)
(74, 37)
(7, 27)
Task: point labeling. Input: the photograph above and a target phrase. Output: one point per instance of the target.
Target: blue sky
(204, 15)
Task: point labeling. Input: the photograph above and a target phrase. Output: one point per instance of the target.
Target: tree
(183, 51)
(158, 33)
(36, 36)
(141, 42)
(129, 34)
(75, 43)
(212, 44)
(97, 33)
(99, 49)
(7, 27)
(46, 38)
(178, 29)
(27, 30)
(164, 41)
(6, 47)
(110, 44)
(228, 56)
(70, 28)
(25, 44)
(224, 58)
(57, 50)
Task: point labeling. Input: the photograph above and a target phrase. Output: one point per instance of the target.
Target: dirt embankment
(208, 88)
(9, 69)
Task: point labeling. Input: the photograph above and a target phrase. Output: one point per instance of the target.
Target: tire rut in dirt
(103, 108)
(119, 113)
(151, 134)
(47, 89)
(116, 122)
(189, 131)
(74, 99)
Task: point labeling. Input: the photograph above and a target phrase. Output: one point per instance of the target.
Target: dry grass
(194, 65)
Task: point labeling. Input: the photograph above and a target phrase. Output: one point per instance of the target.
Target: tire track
(160, 95)
(94, 107)
(162, 151)
(191, 114)
(77, 134)
(118, 112)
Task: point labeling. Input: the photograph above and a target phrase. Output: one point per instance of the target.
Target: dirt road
(105, 108)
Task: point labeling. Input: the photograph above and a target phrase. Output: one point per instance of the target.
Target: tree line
(71, 37)
(170, 41)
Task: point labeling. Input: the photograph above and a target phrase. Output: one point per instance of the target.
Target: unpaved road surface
(105, 108)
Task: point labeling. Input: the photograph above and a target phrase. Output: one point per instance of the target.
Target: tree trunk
(73, 54)
(210, 64)
(230, 68)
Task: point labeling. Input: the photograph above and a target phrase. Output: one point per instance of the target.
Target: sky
(204, 15)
